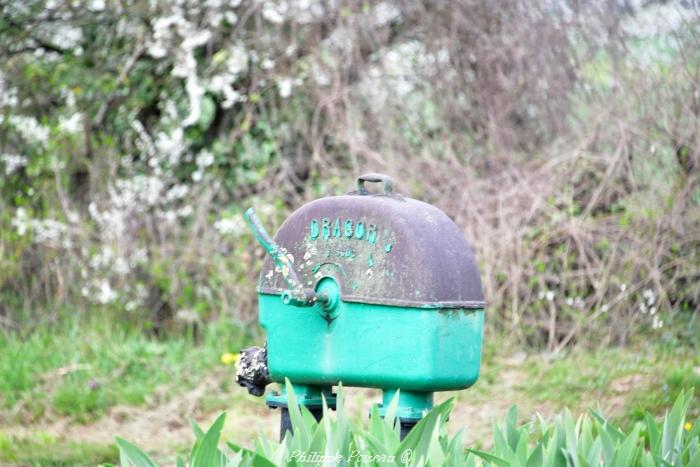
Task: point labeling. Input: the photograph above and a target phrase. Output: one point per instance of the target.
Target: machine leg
(286, 422)
(310, 397)
(406, 427)
(410, 408)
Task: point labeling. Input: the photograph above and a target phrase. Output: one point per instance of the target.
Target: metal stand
(286, 422)
(310, 397)
(406, 427)
(410, 408)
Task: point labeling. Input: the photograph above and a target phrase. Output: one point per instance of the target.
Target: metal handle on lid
(374, 178)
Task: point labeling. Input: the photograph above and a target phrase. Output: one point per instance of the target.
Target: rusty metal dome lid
(382, 249)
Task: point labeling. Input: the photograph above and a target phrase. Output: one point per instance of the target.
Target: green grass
(45, 450)
(672, 382)
(649, 377)
(81, 369)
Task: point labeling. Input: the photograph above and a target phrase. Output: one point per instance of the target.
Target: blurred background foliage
(562, 136)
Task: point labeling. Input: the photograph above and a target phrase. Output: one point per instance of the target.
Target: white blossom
(168, 216)
(221, 84)
(96, 5)
(238, 57)
(157, 50)
(73, 217)
(105, 293)
(8, 96)
(50, 232)
(111, 221)
(195, 92)
(185, 211)
(384, 13)
(230, 226)
(177, 29)
(67, 36)
(121, 266)
(204, 159)
(72, 124)
(30, 129)
(284, 85)
(21, 221)
(47, 231)
(231, 17)
(177, 192)
(274, 11)
(170, 147)
(138, 190)
(12, 162)
(102, 258)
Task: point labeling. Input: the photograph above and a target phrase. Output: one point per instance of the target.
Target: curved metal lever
(297, 295)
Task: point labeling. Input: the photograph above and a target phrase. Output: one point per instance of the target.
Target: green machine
(371, 290)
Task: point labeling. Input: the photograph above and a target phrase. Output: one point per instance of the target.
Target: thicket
(562, 136)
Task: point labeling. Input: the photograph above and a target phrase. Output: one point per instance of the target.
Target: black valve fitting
(252, 371)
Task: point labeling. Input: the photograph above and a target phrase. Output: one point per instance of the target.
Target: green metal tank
(368, 289)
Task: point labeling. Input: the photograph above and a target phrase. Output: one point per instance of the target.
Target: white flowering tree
(131, 131)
